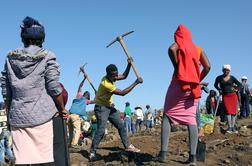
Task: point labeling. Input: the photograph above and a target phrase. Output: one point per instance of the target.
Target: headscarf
(188, 61)
(32, 29)
(226, 66)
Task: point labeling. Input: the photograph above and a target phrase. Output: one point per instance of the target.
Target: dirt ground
(221, 148)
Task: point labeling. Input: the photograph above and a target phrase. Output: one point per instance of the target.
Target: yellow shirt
(104, 93)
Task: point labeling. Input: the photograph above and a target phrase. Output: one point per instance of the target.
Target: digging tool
(83, 71)
(120, 40)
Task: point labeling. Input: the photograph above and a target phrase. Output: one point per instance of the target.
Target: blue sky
(79, 30)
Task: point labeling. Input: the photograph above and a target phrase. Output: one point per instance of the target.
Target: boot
(191, 160)
(161, 157)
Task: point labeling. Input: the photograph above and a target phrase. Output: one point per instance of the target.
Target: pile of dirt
(221, 148)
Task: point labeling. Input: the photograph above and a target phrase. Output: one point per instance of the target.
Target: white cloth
(139, 113)
(33, 145)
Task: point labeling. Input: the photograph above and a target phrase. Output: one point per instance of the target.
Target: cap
(244, 78)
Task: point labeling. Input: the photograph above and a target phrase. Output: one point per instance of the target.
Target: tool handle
(91, 84)
(88, 79)
(128, 55)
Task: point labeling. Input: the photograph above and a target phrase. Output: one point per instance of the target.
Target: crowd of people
(35, 102)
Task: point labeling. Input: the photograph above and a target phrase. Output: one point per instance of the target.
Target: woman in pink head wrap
(184, 91)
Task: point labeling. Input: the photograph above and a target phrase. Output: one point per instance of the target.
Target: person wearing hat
(104, 111)
(226, 84)
(33, 95)
(245, 95)
(139, 117)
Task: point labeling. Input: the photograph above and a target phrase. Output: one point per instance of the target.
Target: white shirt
(139, 113)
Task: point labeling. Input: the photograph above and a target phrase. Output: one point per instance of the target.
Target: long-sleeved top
(226, 86)
(29, 80)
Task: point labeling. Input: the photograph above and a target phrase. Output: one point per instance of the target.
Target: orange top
(188, 61)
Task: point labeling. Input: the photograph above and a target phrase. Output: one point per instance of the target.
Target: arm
(172, 52)
(53, 87)
(237, 83)
(216, 84)
(81, 85)
(126, 72)
(127, 90)
(60, 105)
(91, 102)
(206, 65)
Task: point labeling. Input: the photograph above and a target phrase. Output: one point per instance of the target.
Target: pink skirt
(180, 106)
(33, 145)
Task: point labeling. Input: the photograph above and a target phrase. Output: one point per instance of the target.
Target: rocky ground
(221, 148)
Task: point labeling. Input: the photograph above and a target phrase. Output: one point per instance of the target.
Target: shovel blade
(201, 151)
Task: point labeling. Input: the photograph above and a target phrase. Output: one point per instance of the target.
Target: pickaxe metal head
(120, 38)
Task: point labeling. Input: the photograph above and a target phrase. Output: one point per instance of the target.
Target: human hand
(130, 60)
(85, 75)
(204, 83)
(64, 114)
(139, 80)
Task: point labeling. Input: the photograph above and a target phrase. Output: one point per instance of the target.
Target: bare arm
(92, 102)
(81, 85)
(60, 105)
(217, 85)
(206, 65)
(127, 90)
(172, 52)
(126, 72)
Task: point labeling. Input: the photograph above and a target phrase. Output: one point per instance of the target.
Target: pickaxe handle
(91, 84)
(128, 55)
(88, 79)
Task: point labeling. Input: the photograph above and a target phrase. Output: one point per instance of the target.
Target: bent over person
(32, 93)
(184, 91)
(104, 110)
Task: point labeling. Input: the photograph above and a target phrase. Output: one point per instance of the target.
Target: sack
(78, 106)
(207, 123)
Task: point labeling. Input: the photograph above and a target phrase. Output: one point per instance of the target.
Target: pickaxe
(120, 40)
(83, 71)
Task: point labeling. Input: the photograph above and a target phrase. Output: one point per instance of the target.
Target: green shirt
(127, 111)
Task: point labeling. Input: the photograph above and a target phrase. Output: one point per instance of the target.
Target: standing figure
(5, 138)
(245, 96)
(184, 91)
(139, 118)
(33, 95)
(104, 111)
(226, 85)
(149, 117)
(127, 117)
(211, 102)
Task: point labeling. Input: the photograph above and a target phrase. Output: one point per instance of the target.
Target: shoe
(161, 157)
(192, 161)
(92, 157)
(229, 130)
(234, 130)
(132, 148)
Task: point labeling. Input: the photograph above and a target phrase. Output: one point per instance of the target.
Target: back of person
(28, 85)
